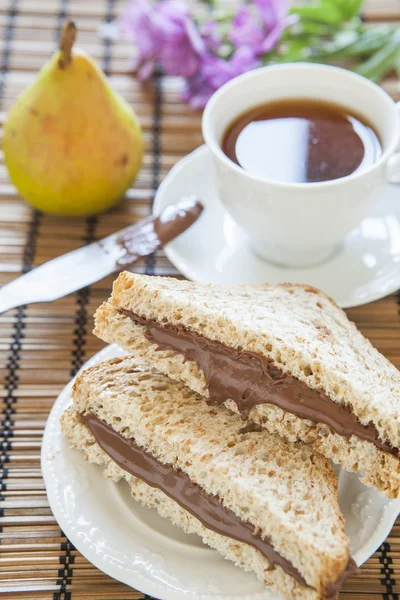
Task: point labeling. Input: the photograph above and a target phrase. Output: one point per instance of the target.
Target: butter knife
(79, 268)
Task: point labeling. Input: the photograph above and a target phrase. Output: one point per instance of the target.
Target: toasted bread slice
(284, 491)
(301, 332)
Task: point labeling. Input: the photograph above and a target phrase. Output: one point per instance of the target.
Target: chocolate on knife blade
(147, 236)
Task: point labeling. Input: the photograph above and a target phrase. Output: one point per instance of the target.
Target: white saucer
(214, 249)
(139, 548)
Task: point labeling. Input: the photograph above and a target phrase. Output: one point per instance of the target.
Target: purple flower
(180, 53)
(274, 35)
(218, 71)
(211, 35)
(165, 34)
(197, 91)
(274, 15)
(141, 24)
(246, 30)
(260, 30)
(272, 12)
(214, 72)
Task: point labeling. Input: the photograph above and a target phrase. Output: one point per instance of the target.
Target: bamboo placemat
(43, 345)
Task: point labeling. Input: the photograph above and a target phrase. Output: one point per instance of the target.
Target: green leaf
(370, 41)
(329, 11)
(383, 60)
(330, 31)
(292, 50)
(310, 27)
(349, 8)
(297, 48)
(352, 44)
(340, 43)
(324, 11)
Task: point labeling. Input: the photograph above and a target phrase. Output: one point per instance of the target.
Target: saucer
(214, 249)
(136, 546)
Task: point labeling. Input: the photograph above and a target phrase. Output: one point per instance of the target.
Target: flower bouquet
(209, 44)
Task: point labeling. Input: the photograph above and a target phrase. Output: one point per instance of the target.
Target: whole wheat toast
(284, 490)
(299, 329)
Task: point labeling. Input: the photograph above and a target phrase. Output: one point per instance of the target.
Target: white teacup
(301, 224)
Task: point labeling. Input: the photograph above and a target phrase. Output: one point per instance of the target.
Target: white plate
(214, 249)
(136, 546)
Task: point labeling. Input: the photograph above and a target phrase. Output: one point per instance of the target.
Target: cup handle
(393, 164)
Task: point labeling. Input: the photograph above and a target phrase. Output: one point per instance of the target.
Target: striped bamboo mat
(42, 346)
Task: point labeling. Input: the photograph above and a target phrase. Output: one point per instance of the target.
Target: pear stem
(67, 40)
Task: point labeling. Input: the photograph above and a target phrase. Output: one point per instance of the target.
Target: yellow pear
(72, 145)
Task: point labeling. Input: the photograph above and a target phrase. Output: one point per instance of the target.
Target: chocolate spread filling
(250, 379)
(208, 509)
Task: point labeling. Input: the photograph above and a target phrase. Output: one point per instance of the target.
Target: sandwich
(285, 357)
(268, 505)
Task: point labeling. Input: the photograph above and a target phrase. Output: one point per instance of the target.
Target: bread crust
(378, 469)
(272, 484)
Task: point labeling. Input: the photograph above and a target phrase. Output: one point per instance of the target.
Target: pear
(72, 145)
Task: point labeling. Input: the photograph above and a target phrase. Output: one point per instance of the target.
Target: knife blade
(82, 267)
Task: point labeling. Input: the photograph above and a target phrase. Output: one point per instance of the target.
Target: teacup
(301, 224)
